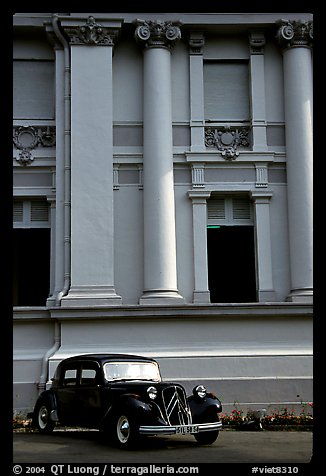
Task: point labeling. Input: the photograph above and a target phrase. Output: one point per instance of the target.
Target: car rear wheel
(125, 431)
(43, 422)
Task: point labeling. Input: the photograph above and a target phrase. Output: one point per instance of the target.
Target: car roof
(103, 357)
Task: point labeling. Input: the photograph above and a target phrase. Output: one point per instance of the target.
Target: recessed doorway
(231, 264)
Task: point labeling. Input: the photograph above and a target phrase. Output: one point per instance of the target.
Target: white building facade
(163, 198)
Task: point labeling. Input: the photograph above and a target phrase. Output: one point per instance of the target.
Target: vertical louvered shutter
(31, 214)
(241, 209)
(226, 91)
(230, 210)
(216, 209)
(18, 211)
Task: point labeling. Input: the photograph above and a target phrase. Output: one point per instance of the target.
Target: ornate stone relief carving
(91, 33)
(27, 138)
(227, 140)
(293, 33)
(157, 33)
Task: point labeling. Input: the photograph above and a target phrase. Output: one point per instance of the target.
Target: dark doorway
(31, 274)
(231, 264)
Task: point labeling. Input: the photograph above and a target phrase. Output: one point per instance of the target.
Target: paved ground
(230, 447)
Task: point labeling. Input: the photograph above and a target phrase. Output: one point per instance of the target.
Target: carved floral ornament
(27, 138)
(293, 33)
(91, 33)
(157, 33)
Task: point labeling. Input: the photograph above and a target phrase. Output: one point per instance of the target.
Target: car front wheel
(43, 422)
(125, 432)
(207, 437)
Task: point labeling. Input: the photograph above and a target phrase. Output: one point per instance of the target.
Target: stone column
(92, 237)
(160, 269)
(296, 39)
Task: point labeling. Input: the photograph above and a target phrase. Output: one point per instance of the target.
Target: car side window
(70, 378)
(88, 376)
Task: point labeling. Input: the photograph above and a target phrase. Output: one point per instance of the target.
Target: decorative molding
(198, 175)
(196, 42)
(158, 33)
(293, 33)
(257, 42)
(227, 140)
(140, 176)
(27, 138)
(91, 33)
(261, 176)
(116, 184)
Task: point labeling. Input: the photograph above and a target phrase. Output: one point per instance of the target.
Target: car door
(88, 398)
(67, 394)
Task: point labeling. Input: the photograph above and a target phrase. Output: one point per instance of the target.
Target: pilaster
(92, 266)
(197, 118)
(199, 219)
(257, 85)
(265, 288)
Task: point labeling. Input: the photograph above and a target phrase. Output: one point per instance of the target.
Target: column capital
(90, 32)
(157, 34)
(261, 196)
(294, 33)
(199, 195)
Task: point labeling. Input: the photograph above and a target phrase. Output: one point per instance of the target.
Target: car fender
(204, 410)
(48, 396)
(130, 403)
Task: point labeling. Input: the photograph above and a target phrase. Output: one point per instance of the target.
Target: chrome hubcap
(43, 417)
(123, 429)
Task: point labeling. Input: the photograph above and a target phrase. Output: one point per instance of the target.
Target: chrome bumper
(179, 429)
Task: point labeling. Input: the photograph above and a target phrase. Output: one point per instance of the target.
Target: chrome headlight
(152, 392)
(199, 391)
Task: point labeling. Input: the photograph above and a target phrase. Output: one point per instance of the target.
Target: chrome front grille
(176, 408)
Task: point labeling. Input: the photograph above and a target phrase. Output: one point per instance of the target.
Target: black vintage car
(124, 395)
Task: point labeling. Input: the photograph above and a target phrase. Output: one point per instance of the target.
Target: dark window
(31, 274)
(231, 264)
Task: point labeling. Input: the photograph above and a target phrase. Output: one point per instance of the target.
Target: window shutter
(31, 214)
(39, 211)
(216, 209)
(241, 209)
(33, 89)
(226, 91)
(18, 211)
(230, 210)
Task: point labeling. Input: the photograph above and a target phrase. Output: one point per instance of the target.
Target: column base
(304, 295)
(266, 296)
(202, 297)
(161, 297)
(81, 296)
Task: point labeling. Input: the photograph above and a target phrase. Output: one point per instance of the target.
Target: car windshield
(131, 371)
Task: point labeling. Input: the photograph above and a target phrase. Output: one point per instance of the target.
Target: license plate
(184, 430)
